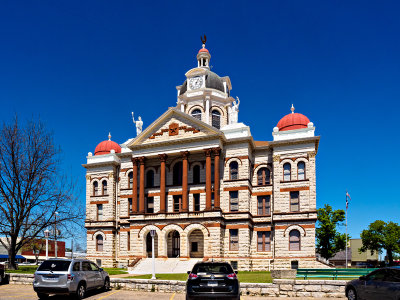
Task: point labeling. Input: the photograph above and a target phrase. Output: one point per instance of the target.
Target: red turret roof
(293, 121)
(203, 50)
(105, 147)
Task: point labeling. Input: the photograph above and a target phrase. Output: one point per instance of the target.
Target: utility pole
(55, 234)
(46, 234)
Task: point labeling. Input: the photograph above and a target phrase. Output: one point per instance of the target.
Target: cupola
(106, 147)
(203, 57)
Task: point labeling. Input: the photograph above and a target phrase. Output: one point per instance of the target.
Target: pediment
(174, 126)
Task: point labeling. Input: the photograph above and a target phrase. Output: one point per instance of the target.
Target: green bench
(332, 273)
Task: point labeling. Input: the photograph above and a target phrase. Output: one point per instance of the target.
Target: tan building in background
(210, 191)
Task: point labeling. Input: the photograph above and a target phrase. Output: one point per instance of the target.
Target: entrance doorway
(148, 245)
(196, 244)
(174, 244)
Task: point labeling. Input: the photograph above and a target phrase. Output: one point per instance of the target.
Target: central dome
(213, 81)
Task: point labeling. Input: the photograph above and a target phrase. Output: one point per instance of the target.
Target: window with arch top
(233, 170)
(216, 119)
(130, 180)
(177, 174)
(150, 179)
(294, 240)
(263, 176)
(301, 171)
(104, 187)
(287, 168)
(196, 113)
(99, 242)
(95, 188)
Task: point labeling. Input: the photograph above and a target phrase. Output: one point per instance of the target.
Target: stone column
(208, 178)
(141, 187)
(207, 112)
(134, 185)
(217, 152)
(185, 198)
(163, 159)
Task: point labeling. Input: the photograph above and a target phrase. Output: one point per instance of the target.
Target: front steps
(164, 265)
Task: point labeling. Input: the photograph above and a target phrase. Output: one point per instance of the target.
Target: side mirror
(188, 272)
(236, 272)
(363, 278)
(101, 269)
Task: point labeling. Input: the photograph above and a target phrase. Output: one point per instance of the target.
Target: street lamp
(153, 233)
(46, 234)
(55, 234)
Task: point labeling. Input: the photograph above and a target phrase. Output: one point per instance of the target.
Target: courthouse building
(209, 190)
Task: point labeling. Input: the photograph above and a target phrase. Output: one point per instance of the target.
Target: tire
(106, 286)
(352, 294)
(80, 291)
(42, 296)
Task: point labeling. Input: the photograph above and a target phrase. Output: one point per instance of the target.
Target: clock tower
(205, 95)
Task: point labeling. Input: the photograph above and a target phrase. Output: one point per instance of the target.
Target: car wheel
(106, 285)
(351, 294)
(81, 291)
(42, 296)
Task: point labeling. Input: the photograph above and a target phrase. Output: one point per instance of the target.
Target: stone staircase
(163, 265)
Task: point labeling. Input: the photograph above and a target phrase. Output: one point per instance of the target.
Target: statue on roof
(234, 111)
(138, 123)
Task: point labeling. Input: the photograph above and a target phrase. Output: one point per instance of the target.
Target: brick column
(185, 198)
(217, 152)
(141, 187)
(208, 178)
(163, 159)
(134, 185)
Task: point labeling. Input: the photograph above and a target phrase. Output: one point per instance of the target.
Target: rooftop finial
(292, 109)
(203, 40)
(109, 136)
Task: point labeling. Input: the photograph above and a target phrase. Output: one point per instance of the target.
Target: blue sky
(83, 66)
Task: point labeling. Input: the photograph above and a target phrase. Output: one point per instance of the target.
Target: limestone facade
(206, 187)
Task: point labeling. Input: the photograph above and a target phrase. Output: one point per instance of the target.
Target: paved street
(25, 292)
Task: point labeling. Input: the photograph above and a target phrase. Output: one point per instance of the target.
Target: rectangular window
(294, 201)
(130, 207)
(234, 239)
(99, 212)
(195, 247)
(196, 202)
(264, 205)
(263, 241)
(129, 241)
(234, 200)
(150, 205)
(177, 203)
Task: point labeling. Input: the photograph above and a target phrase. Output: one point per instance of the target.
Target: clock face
(195, 82)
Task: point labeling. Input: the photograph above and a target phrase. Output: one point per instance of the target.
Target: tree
(32, 187)
(36, 246)
(329, 240)
(381, 235)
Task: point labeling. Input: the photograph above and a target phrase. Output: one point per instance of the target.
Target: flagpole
(346, 229)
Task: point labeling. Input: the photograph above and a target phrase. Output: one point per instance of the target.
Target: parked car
(381, 284)
(212, 280)
(69, 277)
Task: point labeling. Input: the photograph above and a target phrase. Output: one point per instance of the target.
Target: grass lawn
(244, 276)
(32, 269)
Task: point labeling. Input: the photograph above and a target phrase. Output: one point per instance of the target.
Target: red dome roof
(105, 147)
(203, 50)
(293, 121)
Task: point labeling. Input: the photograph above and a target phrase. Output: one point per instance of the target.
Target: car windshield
(217, 268)
(54, 265)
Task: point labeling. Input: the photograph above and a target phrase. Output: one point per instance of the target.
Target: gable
(174, 126)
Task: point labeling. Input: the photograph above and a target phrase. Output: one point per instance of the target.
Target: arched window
(263, 176)
(216, 119)
(294, 240)
(196, 174)
(286, 172)
(150, 179)
(177, 174)
(95, 188)
(196, 114)
(301, 171)
(104, 187)
(233, 170)
(130, 180)
(99, 242)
